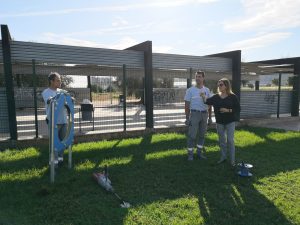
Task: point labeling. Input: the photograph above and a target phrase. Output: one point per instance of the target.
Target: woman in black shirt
(226, 107)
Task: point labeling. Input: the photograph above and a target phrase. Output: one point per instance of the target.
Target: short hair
(200, 72)
(52, 76)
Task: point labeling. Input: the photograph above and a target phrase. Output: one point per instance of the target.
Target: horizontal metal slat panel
(261, 103)
(186, 61)
(87, 54)
(68, 70)
(200, 63)
(4, 126)
(1, 52)
(285, 102)
(76, 49)
(26, 51)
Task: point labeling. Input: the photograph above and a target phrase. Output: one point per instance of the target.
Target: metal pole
(52, 166)
(124, 96)
(70, 146)
(110, 90)
(257, 85)
(278, 95)
(90, 87)
(70, 157)
(189, 80)
(8, 75)
(35, 99)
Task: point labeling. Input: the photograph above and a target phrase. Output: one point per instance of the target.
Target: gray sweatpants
(197, 124)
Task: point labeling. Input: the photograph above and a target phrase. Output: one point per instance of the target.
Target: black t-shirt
(229, 102)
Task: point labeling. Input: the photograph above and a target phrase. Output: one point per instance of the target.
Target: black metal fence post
(124, 96)
(296, 89)
(278, 95)
(189, 80)
(34, 79)
(89, 85)
(12, 116)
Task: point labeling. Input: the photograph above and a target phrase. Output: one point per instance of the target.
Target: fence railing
(116, 96)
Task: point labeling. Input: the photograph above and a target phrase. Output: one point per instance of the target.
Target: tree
(251, 85)
(96, 88)
(135, 87)
(244, 82)
(290, 81)
(66, 80)
(275, 82)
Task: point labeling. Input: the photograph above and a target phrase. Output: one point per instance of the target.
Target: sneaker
(200, 154)
(190, 156)
(55, 163)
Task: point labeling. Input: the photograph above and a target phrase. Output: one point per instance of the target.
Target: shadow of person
(238, 203)
(158, 172)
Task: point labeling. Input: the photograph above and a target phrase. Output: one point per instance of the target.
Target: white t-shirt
(62, 114)
(193, 96)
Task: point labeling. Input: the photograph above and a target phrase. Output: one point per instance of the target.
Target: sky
(262, 29)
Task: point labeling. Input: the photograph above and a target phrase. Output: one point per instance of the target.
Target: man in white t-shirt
(54, 88)
(196, 115)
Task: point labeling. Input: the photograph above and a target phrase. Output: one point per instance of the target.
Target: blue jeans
(226, 140)
(62, 132)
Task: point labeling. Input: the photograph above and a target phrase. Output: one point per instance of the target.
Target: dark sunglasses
(220, 85)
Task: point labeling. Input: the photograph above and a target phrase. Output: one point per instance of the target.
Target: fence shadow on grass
(157, 172)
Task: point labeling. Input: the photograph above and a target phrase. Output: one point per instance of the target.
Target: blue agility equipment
(62, 101)
(244, 169)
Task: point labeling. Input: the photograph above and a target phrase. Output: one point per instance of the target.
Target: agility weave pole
(103, 180)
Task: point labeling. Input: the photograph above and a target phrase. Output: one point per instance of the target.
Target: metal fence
(112, 99)
(4, 126)
(169, 88)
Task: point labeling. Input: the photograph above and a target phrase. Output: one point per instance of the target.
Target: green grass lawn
(152, 173)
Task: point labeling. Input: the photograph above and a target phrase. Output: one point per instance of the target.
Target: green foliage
(153, 174)
(275, 81)
(134, 86)
(96, 88)
(244, 82)
(290, 81)
(66, 81)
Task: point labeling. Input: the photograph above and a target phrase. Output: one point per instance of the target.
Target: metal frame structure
(39, 58)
